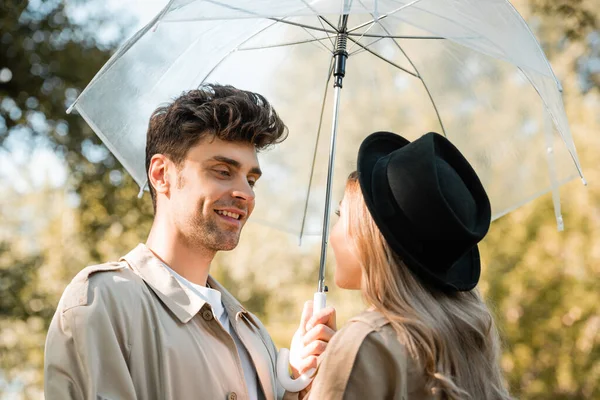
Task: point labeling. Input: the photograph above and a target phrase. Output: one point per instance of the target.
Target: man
(156, 325)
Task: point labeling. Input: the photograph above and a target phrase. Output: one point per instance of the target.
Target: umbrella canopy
(469, 69)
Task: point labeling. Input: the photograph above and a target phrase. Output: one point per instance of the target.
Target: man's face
(213, 195)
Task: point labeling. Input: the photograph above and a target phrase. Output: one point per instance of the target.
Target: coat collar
(180, 300)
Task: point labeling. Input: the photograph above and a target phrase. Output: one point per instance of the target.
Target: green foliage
(573, 18)
(46, 60)
(15, 275)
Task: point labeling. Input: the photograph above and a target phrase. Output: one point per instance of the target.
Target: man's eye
(223, 172)
(337, 212)
(252, 183)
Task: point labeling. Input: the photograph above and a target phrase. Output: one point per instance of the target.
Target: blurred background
(68, 203)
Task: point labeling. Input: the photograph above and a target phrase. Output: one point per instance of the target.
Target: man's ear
(158, 174)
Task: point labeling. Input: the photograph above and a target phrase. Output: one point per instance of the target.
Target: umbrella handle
(283, 358)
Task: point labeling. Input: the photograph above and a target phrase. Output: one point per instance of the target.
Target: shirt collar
(177, 297)
(209, 295)
(232, 306)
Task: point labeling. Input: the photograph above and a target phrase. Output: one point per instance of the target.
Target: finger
(319, 332)
(306, 315)
(308, 363)
(314, 348)
(326, 316)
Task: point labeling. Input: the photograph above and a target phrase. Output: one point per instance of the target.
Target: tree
(45, 61)
(572, 25)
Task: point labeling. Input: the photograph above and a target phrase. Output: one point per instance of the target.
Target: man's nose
(244, 191)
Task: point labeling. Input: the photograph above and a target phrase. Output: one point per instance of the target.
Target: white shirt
(213, 297)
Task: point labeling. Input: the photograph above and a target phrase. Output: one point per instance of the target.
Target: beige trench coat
(365, 360)
(128, 330)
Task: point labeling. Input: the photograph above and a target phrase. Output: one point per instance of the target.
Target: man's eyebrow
(236, 164)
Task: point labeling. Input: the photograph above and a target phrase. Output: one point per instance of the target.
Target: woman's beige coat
(366, 361)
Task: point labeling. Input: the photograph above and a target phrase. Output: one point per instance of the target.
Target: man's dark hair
(212, 110)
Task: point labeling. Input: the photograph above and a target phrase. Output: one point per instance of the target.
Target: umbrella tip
(560, 223)
(142, 188)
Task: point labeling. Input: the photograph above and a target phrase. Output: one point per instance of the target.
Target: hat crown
(428, 203)
(456, 194)
(430, 191)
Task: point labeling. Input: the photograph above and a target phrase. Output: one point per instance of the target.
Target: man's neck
(192, 263)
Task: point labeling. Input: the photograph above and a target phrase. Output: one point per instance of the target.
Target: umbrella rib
(314, 28)
(215, 67)
(539, 46)
(321, 43)
(179, 57)
(327, 22)
(437, 112)
(373, 35)
(330, 38)
(475, 34)
(230, 7)
(358, 51)
(321, 19)
(377, 19)
(283, 44)
(362, 46)
(312, 169)
(323, 26)
(322, 29)
(234, 50)
(272, 18)
(555, 122)
(358, 40)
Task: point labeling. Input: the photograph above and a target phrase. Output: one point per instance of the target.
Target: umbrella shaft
(326, 216)
(340, 56)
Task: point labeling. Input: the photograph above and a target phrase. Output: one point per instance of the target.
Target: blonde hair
(452, 335)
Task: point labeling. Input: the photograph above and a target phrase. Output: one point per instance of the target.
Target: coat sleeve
(372, 375)
(86, 350)
(356, 365)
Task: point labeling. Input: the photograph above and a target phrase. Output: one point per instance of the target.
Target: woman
(407, 236)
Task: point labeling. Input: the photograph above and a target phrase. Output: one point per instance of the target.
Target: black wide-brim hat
(429, 205)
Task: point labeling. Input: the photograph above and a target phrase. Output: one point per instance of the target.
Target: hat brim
(464, 274)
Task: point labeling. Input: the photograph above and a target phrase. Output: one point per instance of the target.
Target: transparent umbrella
(469, 69)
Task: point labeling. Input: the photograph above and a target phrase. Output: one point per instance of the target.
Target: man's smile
(232, 216)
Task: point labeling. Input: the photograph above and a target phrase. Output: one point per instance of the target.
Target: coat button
(232, 396)
(207, 315)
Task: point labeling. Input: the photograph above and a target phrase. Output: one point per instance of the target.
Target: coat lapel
(250, 335)
(179, 299)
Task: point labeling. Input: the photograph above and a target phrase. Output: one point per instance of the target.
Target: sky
(143, 10)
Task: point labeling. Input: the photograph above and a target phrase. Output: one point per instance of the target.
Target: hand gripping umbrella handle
(283, 359)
